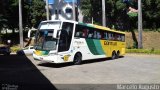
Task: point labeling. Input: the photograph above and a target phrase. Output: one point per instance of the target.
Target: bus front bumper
(51, 59)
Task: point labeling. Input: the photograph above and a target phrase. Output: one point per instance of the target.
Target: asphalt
(24, 73)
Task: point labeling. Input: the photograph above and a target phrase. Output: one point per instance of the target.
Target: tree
(33, 12)
(116, 14)
(86, 10)
(93, 8)
(36, 12)
(151, 13)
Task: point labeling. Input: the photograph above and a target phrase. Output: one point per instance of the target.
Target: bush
(135, 45)
(15, 48)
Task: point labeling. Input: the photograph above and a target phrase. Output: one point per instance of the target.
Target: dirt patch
(151, 39)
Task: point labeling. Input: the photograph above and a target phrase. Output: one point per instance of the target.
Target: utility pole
(74, 13)
(140, 24)
(20, 24)
(103, 13)
(47, 9)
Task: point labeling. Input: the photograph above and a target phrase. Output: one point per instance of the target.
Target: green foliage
(132, 14)
(37, 12)
(135, 45)
(116, 13)
(151, 13)
(3, 21)
(120, 5)
(33, 10)
(15, 48)
(91, 9)
(86, 7)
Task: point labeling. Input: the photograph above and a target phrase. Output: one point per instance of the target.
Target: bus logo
(110, 43)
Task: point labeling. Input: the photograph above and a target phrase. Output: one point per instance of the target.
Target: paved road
(27, 73)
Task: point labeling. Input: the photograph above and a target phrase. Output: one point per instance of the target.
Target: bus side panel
(95, 46)
(106, 48)
(110, 46)
(88, 48)
(122, 48)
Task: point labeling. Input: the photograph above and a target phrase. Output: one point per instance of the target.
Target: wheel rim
(117, 56)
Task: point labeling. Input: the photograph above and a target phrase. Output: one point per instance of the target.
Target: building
(63, 10)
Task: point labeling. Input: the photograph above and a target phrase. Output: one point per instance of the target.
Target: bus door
(65, 37)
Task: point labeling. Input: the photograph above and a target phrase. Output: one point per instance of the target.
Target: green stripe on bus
(91, 46)
(98, 45)
(45, 52)
(95, 46)
(84, 24)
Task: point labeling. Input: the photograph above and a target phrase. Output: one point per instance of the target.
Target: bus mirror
(56, 34)
(31, 33)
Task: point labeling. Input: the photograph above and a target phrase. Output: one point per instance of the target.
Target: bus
(58, 41)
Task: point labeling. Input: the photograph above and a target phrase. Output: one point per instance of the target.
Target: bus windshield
(44, 40)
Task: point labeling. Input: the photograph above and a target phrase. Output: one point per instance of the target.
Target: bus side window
(77, 34)
(116, 36)
(85, 33)
(78, 31)
(113, 36)
(95, 34)
(102, 34)
(109, 35)
(119, 38)
(90, 34)
(123, 38)
(106, 36)
(98, 35)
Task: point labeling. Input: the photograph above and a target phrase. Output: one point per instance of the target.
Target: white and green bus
(70, 41)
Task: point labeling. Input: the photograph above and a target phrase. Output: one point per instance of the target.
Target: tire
(6, 54)
(77, 59)
(113, 55)
(117, 55)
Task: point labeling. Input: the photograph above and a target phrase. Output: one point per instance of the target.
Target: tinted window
(94, 33)
(68, 10)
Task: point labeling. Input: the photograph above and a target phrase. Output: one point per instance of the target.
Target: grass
(15, 48)
(144, 51)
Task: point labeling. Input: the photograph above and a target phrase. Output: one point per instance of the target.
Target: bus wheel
(117, 55)
(113, 55)
(77, 59)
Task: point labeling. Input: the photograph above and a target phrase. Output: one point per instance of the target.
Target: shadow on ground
(18, 73)
(61, 65)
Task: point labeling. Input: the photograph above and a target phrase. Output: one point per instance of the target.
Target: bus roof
(71, 21)
(88, 25)
(100, 27)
